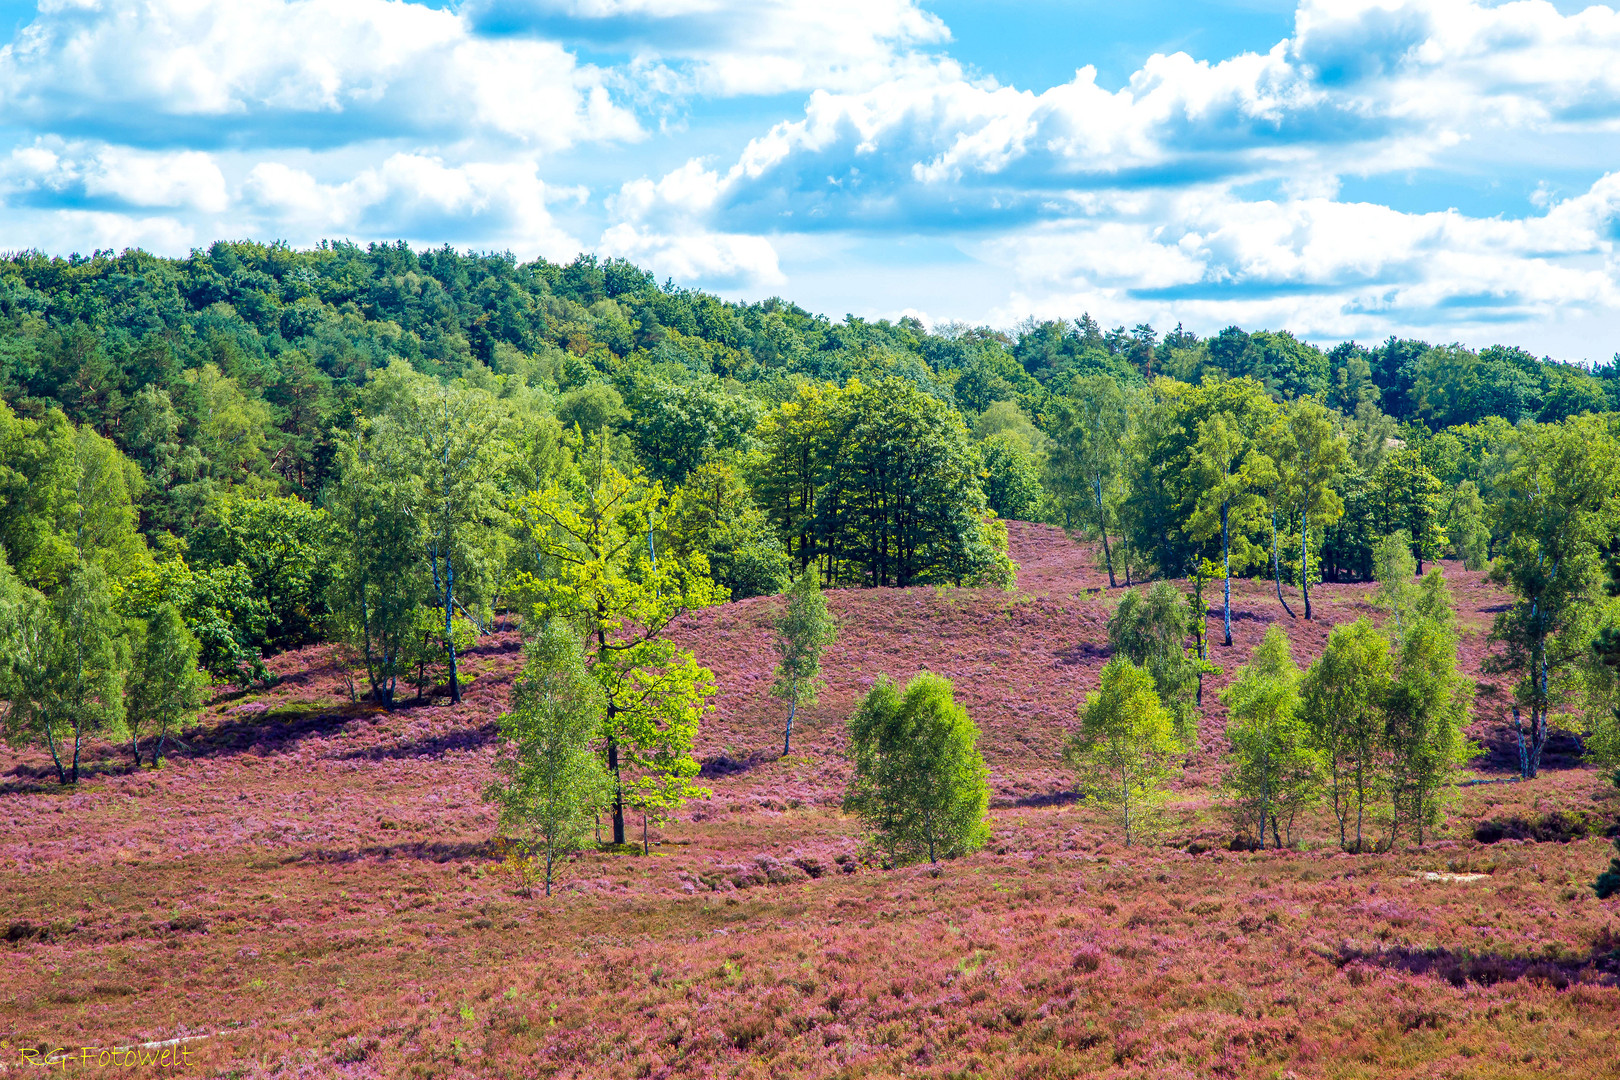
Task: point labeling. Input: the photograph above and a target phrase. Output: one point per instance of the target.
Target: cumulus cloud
(295, 72)
(733, 47)
(416, 198)
(1202, 187)
(53, 171)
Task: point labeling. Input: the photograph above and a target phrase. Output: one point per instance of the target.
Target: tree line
(254, 448)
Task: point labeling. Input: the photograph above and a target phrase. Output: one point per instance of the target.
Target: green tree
(714, 513)
(1425, 712)
(592, 534)
(1393, 569)
(1126, 747)
(282, 543)
(919, 780)
(881, 485)
(550, 781)
(1465, 524)
(1227, 467)
(455, 436)
(1558, 508)
(66, 668)
(1313, 458)
(165, 687)
(1342, 707)
(803, 629)
(1090, 428)
(1409, 497)
(1012, 482)
(1272, 772)
(376, 585)
(1150, 630)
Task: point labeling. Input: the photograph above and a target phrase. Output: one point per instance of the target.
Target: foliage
(281, 542)
(1559, 506)
(714, 513)
(876, 484)
(601, 577)
(919, 781)
(375, 591)
(1012, 482)
(1126, 748)
(551, 783)
(65, 668)
(1425, 711)
(1273, 772)
(1342, 707)
(164, 686)
(1150, 630)
(803, 629)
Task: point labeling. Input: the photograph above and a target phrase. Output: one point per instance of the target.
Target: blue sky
(1341, 168)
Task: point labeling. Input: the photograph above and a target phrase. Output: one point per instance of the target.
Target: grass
(313, 888)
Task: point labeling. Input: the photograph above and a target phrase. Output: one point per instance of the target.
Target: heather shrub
(920, 782)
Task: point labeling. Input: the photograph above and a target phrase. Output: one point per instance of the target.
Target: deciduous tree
(919, 781)
(803, 629)
(550, 780)
(1126, 747)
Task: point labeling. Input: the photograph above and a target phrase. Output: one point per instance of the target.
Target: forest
(392, 449)
(227, 478)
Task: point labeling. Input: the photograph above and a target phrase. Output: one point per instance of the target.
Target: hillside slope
(310, 884)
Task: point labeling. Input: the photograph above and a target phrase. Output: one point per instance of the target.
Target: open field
(310, 885)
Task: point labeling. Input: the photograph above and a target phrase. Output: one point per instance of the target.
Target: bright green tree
(65, 669)
(550, 780)
(1272, 772)
(165, 687)
(592, 534)
(803, 629)
(1151, 631)
(1342, 707)
(1126, 748)
(919, 780)
(1425, 712)
(1393, 569)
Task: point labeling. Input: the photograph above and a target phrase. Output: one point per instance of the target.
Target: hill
(309, 888)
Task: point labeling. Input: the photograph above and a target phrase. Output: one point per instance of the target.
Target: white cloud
(294, 71)
(696, 254)
(736, 47)
(417, 198)
(55, 169)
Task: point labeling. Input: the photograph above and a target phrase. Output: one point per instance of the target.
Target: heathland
(309, 886)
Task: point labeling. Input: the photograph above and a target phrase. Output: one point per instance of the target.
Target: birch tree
(1126, 748)
(803, 629)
